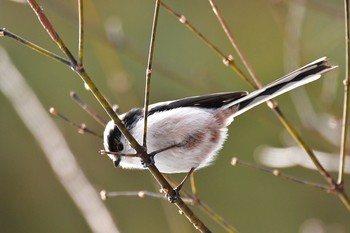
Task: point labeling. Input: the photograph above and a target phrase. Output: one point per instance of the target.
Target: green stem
(106, 106)
(206, 209)
(81, 32)
(278, 173)
(149, 72)
(257, 83)
(50, 30)
(5, 32)
(292, 131)
(346, 97)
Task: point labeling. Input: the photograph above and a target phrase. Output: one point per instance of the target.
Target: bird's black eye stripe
(114, 136)
(113, 139)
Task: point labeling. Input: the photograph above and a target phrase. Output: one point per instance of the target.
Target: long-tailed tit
(188, 133)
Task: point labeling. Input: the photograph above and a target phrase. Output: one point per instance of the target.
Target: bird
(187, 134)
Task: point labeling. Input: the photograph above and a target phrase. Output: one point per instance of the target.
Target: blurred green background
(32, 199)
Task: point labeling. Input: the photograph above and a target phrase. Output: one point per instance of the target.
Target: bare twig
(141, 194)
(340, 183)
(82, 128)
(88, 109)
(277, 172)
(346, 83)
(234, 44)
(50, 30)
(79, 69)
(7, 33)
(81, 32)
(149, 72)
(206, 209)
(216, 217)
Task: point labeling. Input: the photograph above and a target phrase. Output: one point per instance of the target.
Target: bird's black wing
(212, 101)
(215, 100)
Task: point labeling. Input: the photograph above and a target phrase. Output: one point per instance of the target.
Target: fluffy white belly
(198, 138)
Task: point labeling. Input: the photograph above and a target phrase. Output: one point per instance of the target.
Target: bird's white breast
(195, 128)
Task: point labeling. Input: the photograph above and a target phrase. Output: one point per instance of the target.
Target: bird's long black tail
(300, 77)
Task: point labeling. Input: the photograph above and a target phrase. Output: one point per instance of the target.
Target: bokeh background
(33, 200)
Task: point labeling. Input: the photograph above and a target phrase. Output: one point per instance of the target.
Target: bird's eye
(120, 146)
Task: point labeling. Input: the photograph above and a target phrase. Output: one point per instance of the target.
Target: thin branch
(346, 83)
(106, 106)
(141, 194)
(197, 223)
(340, 183)
(79, 69)
(81, 32)
(235, 45)
(88, 109)
(188, 198)
(277, 172)
(149, 71)
(205, 208)
(82, 128)
(5, 32)
(50, 30)
(292, 131)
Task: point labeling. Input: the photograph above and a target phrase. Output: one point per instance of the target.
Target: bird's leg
(152, 154)
(178, 188)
